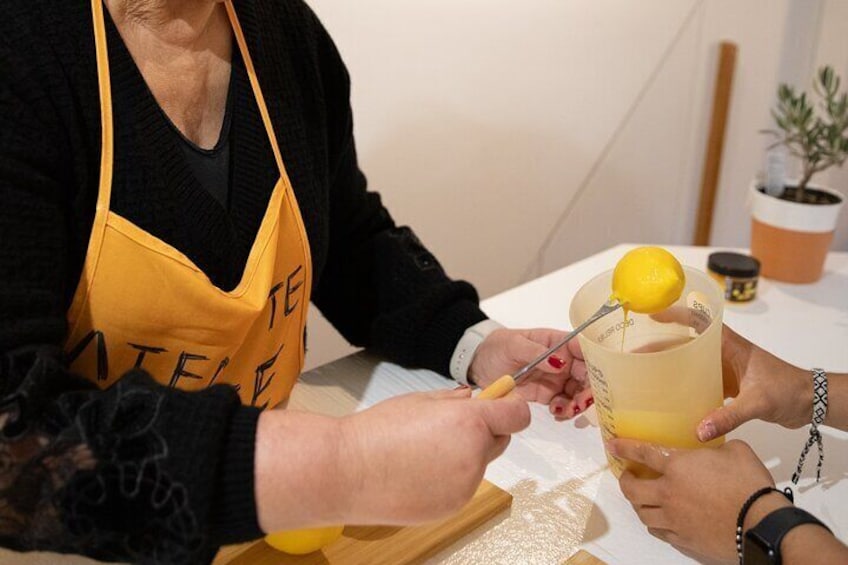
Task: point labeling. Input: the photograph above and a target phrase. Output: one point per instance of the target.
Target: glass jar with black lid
(736, 273)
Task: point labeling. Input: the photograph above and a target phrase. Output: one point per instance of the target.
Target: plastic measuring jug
(654, 377)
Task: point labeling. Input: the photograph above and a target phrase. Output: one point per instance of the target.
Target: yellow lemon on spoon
(307, 540)
(647, 280)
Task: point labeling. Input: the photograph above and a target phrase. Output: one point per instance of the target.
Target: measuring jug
(654, 377)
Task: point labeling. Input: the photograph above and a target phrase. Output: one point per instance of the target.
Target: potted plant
(793, 222)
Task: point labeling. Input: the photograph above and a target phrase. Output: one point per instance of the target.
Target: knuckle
(657, 533)
(452, 419)
(627, 486)
(478, 427)
(739, 447)
(642, 514)
(522, 419)
(640, 452)
(735, 445)
(511, 413)
(731, 418)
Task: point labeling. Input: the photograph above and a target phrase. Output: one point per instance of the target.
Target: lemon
(647, 280)
(307, 540)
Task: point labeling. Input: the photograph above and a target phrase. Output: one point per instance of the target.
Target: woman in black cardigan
(162, 164)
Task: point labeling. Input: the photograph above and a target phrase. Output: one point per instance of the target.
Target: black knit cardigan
(140, 472)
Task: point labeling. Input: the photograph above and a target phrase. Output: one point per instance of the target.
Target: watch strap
(743, 511)
(771, 530)
(467, 345)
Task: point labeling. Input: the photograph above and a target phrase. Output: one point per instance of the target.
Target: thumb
(725, 419)
(504, 416)
(462, 391)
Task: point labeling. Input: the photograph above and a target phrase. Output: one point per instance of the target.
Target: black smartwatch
(762, 542)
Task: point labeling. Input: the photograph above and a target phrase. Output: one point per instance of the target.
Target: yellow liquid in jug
(672, 429)
(674, 425)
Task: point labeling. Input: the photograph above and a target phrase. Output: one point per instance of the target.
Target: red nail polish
(556, 362)
(576, 410)
(557, 410)
(590, 402)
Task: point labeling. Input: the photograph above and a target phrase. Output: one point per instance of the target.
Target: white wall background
(519, 136)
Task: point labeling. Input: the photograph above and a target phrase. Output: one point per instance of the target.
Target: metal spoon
(506, 383)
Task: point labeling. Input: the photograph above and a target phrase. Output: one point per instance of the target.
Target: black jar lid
(732, 264)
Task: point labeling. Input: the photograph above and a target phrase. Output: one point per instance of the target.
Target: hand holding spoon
(506, 383)
(645, 280)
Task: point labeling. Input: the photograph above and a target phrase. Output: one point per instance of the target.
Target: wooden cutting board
(376, 545)
(583, 557)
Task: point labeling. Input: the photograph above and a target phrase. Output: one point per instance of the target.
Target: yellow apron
(142, 303)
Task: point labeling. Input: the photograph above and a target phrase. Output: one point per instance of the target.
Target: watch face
(756, 551)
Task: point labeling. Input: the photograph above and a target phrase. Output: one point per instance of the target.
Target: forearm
(812, 544)
(299, 473)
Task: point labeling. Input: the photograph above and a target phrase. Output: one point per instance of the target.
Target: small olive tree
(818, 138)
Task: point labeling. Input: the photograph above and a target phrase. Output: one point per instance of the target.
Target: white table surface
(564, 497)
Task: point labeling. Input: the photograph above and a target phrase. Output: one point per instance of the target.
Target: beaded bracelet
(740, 520)
(819, 413)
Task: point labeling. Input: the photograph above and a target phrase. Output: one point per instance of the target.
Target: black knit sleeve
(138, 472)
(131, 473)
(381, 287)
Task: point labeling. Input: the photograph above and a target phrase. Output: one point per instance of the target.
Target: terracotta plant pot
(791, 239)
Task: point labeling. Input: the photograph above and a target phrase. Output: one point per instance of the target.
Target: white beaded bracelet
(467, 346)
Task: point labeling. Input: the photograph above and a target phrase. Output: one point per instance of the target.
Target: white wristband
(467, 346)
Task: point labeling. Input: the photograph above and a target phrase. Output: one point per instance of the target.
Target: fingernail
(462, 387)
(590, 402)
(556, 362)
(706, 431)
(610, 448)
(558, 410)
(576, 410)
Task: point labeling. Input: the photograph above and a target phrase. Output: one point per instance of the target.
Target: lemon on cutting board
(647, 280)
(303, 541)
